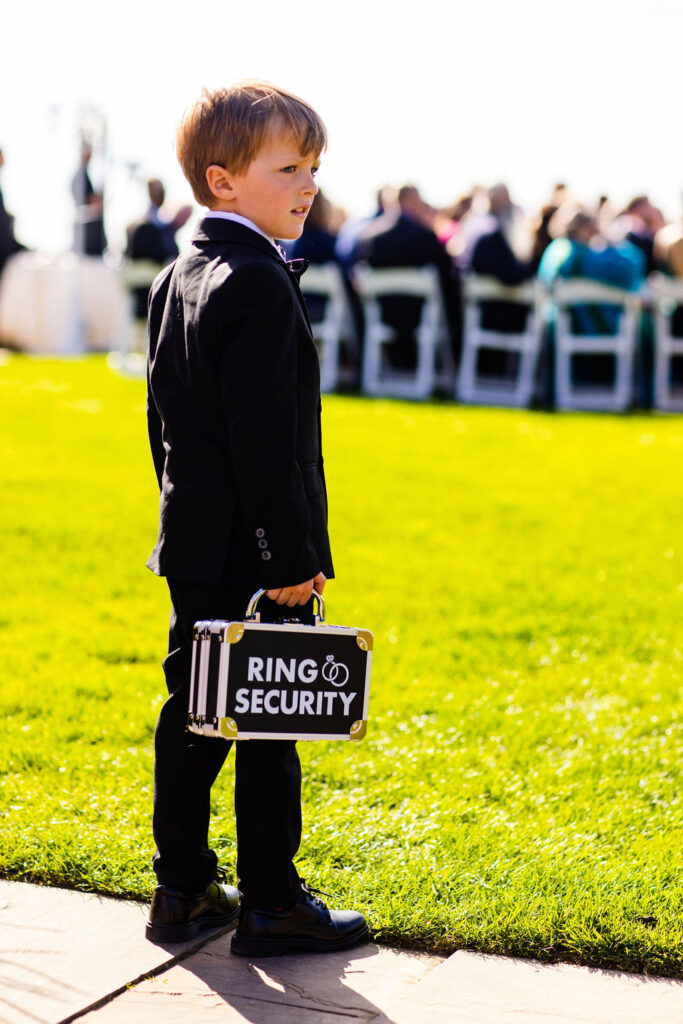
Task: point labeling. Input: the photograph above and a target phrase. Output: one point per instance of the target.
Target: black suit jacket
(394, 240)
(150, 241)
(234, 413)
(492, 256)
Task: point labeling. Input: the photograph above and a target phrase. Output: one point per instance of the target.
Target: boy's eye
(291, 169)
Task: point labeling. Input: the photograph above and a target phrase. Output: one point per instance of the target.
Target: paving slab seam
(214, 985)
(147, 975)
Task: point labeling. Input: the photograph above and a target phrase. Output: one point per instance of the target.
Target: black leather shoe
(308, 926)
(178, 916)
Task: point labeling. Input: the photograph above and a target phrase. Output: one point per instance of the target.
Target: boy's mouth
(301, 211)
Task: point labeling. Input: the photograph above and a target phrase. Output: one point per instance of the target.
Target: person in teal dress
(579, 251)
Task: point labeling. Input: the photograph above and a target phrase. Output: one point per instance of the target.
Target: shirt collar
(239, 219)
(297, 266)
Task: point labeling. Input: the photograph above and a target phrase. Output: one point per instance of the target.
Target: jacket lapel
(296, 269)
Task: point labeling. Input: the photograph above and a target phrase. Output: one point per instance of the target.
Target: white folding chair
(614, 397)
(324, 281)
(667, 296)
(515, 388)
(434, 358)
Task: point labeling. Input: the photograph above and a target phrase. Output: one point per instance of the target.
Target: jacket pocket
(313, 484)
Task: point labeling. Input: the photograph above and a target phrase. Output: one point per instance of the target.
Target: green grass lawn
(518, 789)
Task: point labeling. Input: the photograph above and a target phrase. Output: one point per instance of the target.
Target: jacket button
(263, 543)
(265, 555)
(260, 532)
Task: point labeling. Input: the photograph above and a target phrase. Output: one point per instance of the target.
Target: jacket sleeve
(154, 429)
(258, 366)
(155, 306)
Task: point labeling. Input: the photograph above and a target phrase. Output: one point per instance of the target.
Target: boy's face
(278, 187)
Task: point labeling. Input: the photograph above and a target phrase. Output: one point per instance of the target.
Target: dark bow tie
(297, 267)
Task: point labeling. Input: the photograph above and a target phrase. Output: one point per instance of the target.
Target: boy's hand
(300, 594)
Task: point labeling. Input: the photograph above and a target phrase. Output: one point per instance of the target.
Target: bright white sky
(444, 93)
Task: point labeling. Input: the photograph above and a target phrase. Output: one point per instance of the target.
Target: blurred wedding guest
(8, 243)
(668, 249)
(349, 231)
(541, 237)
(317, 243)
(447, 220)
(578, 250)
(560, 194)
(402, 237)
(337, 217)
(499, 246)
(668, 257)
(605, 214)
(152, 238)
(89, 236)
(638, 223)
(541, 234)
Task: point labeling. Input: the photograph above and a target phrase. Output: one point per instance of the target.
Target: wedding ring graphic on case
(335, 672)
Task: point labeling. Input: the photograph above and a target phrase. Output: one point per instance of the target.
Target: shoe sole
(186, 932)
(242, 945)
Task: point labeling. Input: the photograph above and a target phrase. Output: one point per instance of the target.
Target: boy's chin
(296, 231)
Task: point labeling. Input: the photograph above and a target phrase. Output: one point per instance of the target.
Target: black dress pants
(267, 772)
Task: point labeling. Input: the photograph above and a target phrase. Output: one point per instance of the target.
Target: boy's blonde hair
(228, 127)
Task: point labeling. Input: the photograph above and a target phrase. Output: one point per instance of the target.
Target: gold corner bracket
(358, 730)
(234, 633)
(364, 639)
(228, 728)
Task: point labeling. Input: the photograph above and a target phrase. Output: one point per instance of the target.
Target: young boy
(234, 426)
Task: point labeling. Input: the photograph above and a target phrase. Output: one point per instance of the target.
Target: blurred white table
(62, 304)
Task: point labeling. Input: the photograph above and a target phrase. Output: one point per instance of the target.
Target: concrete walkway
(68, 956)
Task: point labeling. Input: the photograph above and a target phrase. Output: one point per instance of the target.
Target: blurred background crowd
(482, 233)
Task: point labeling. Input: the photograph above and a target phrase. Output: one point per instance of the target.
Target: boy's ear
(219, 181)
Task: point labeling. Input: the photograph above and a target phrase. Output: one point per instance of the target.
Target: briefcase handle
(251, 612)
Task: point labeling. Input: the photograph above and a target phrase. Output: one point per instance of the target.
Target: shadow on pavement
(332, 987)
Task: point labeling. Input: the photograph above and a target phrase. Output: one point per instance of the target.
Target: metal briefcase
(259, 680)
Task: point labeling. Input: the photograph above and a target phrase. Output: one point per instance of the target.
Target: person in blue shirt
(581, 252)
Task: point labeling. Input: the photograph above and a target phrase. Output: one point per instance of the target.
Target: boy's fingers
(292, 596)
(319, 583)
